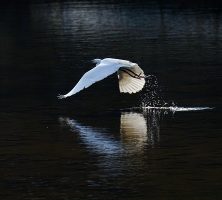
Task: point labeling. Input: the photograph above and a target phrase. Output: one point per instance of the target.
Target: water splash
(152, 98)
(152, 95)
(177, 109)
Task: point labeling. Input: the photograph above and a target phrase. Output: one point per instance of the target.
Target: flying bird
(131, 76)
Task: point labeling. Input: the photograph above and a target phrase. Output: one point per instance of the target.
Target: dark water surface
(89, 146)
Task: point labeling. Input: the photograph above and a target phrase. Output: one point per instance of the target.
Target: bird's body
(131, 76)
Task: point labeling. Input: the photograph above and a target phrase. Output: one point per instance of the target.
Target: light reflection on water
(116, 155)
(137, 131)
(95, 139)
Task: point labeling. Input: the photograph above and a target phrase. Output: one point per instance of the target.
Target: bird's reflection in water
(141, 129)
(96, 139)
(133, 131)
(137, 130)
(116, 155)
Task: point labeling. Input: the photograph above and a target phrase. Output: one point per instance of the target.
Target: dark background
(46, 46)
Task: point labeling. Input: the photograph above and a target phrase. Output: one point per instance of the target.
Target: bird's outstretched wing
(96, 74)
(131, 80)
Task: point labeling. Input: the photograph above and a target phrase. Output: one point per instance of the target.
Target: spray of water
(152, 98)
(152, 95)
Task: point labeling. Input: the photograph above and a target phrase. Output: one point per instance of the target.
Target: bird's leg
(134, 75)
(142, 76)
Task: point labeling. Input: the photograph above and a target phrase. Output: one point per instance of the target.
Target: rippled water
(100, 144)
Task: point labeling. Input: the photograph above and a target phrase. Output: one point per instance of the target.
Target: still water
(98, 144)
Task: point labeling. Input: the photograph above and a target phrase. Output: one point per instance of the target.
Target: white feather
(129, 84)
(104, 68)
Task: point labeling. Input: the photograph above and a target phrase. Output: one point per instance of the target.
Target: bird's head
(96, 61)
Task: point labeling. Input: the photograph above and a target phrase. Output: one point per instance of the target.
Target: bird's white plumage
(128, 83)
(103, 69)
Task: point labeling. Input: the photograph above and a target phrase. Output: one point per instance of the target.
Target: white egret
(131, 76)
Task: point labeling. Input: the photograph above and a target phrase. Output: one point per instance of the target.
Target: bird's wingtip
(61, 96)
